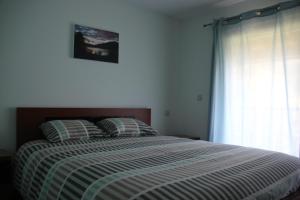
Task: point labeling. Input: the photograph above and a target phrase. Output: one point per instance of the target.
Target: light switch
(199, 97)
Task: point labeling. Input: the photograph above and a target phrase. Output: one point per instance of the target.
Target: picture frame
(96, 44)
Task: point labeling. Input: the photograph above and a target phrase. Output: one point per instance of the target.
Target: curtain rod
(259, 12)
(206, 25)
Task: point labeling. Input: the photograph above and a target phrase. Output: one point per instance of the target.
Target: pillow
(62, 130)
(125, 127)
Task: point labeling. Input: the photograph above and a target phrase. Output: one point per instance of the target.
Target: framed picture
(95, 44)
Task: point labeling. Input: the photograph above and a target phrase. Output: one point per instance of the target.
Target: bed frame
(30, 118)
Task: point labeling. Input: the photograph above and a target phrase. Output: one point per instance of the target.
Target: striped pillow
(62, 130)
(125, 127)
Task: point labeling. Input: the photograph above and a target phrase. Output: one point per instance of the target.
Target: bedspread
(159, 167)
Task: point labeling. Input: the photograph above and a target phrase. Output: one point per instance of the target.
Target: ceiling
(176, 7)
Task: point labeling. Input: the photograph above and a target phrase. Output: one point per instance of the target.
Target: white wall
(164, 63)
(37, 68)
(193, 72)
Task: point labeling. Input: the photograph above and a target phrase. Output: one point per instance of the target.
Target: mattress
(158, 167)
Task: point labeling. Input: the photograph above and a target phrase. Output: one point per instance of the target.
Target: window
(261, 71)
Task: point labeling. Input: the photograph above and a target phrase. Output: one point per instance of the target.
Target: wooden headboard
(29, 119)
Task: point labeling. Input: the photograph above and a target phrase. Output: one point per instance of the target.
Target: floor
(294, 196)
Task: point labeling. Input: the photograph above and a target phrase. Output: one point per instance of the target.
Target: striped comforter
(159, 167)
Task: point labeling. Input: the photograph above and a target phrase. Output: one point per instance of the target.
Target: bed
(155, 167)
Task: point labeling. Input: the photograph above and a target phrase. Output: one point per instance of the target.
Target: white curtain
(256, 90)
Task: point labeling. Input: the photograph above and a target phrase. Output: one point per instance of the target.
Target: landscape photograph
(95, 44)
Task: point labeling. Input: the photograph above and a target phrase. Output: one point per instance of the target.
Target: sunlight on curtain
(256, 99)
